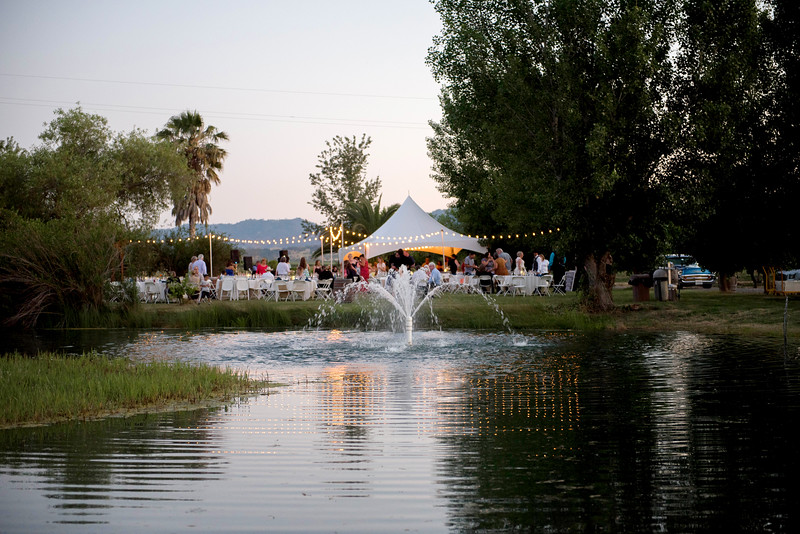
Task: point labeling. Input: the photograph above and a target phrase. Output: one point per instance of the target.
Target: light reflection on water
(551, 432)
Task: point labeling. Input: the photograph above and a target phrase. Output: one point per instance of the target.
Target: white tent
(411, 229)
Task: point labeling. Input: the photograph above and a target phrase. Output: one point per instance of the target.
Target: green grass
(52, 387)
(698, 310)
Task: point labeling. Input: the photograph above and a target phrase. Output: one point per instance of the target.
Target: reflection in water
(461, 432)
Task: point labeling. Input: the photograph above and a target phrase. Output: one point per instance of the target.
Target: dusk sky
(280, 78)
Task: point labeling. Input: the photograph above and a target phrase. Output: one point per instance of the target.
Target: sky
(279, 77)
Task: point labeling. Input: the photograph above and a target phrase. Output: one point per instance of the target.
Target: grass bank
(698, 310)
(52, 387)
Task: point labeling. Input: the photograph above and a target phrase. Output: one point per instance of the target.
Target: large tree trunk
(727, 282)
(601, 281)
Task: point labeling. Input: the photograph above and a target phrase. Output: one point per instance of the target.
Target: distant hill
(255, 229)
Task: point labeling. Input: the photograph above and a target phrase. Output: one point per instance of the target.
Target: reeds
(52, 387)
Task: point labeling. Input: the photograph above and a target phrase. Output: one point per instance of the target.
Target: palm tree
(364, 217)
(198, 143)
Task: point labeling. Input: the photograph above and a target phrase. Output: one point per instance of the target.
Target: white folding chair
(227, 287)
(284, 289)
(503, 285)
(242, 286)
(153, 293)
(324, 289)
(263, 289)
(517, 286)
(547, 281)
(558, 289)
(299, 288)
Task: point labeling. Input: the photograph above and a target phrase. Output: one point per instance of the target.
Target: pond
(461, 432)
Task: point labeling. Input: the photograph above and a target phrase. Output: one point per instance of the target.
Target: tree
(66, 207)
(552, 118)
(341, 180)
(722, 185)
(199, 145)
(365, 217)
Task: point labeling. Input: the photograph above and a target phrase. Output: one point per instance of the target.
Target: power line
(292, 119)
(215, 87)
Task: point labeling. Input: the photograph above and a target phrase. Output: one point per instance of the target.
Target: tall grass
(52, 387)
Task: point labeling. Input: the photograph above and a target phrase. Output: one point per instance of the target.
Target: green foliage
(173, 252)
(66, 208)
(551, 119)
(341, 180)
(198, 144)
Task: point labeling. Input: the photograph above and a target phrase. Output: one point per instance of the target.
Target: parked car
(694, 275)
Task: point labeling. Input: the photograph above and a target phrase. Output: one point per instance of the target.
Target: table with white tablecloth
(255, 287)
(160, 294)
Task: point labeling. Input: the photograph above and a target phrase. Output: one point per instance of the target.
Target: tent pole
(444, 262)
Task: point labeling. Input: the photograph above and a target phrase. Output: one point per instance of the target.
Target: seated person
(283, 270)
(230, 268)
(194, 280)
(262, 267)
(435, 278)
(205, 289)
(325, 273)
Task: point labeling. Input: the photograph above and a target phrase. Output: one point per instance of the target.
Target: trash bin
(641, 286)
(660, 285)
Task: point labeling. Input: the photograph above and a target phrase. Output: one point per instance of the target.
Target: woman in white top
(544, 265)
(380, 267)
(283, 269)
(520, 265)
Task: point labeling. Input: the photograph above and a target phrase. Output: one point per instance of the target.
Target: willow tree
(551, 119)
(199, 145)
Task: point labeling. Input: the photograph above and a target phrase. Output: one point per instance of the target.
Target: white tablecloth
(141, 285)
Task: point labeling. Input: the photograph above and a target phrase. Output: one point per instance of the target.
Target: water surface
(462, 432)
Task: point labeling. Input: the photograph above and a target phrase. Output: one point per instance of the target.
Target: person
(201, 265)
(435, 278)
(420, 277)
(317, 267)
(349, 271)
(544, 265)
(194, 280)
(397, 260)
(205, 289)
(325, 273)
(191, 265)
(520, 264)
(427, 261)
(489, 265)
(261, 267)
(302, 270)
(408, 261)
(380, 267)
(283, 269)
(230, 268)
(363, 268)
(469, 264)
(268, 274)
(500, 268)
(506, 257)
(452, 265)
(535, 264)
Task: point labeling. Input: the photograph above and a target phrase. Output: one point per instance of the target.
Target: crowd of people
(359, 268)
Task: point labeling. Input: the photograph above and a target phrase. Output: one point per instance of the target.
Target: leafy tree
(341, 180)
(365, 217)
(723, 186)
(199, 145)
(66, 207)
(552, 118)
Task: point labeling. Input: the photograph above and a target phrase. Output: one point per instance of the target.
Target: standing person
(261, 268)
(350, 272)
(363, 268)
(397, 260)
(191, 264)
(283, 269)
(201, 265)
(317, 267)
(380, 267)
(535, 264)
(408, 261)
(500, 268)
(453, 265)
(520, 264)
(505, 257)
(544, 265)
(469, 264)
